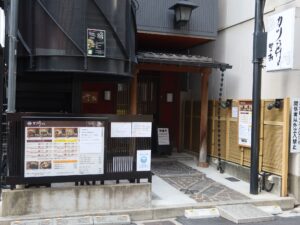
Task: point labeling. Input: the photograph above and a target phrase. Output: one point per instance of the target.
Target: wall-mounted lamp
(107, 95)
(183, 11)
(226, 104)
(169, 97)
(277, 104)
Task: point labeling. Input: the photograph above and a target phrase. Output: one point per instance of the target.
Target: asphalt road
(222, 221)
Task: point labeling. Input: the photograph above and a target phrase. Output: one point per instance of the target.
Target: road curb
(156, 213)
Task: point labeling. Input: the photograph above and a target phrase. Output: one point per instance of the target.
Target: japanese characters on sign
(63, 148)
(295, 126)
(245, 123)
(280, 42)
(163, 136)
(96, 41)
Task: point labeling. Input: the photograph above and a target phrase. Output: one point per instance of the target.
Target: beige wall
(234, 46)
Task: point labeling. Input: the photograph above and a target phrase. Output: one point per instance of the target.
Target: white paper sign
(163, 136)
(141, 129)
(245, 123)
(295, 126)
(143, 160)
(280, 44)
(234, 112)
(120, 129)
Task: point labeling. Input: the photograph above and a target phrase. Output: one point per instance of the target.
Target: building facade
(234, 45)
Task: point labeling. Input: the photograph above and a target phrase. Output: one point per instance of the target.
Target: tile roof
(180, 60)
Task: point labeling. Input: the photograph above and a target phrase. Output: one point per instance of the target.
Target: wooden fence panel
(234, 149)
(272, 148)
(273, 138)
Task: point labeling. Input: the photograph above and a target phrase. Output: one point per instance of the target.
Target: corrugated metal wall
(155, 16)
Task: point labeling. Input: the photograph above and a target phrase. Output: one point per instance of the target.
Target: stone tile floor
(194, 183)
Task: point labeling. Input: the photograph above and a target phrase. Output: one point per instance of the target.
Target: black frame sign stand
(163, 141)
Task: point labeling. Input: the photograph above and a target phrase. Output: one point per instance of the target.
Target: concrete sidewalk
(178, 184)
(178, 181)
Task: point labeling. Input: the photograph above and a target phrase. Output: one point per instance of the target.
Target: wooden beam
(171, 68)
(203, 119)
(285, 147)
(191, 125)
(133, 94)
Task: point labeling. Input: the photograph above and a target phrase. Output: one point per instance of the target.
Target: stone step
(85, 220)
(244, 213)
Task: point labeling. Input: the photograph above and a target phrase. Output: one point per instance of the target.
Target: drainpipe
(12, 56)
(259, 52)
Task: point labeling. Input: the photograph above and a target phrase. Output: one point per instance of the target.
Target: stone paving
(194, 183)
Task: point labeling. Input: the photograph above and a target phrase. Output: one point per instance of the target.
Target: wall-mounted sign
(120, 130)
(143, 160)
(280, 44)
(163, 136)
(141, 129)
(295, 126)
(234, 112)
(96, 43)
(169, 97)
(128, 129)
(63, 148)
(90, 97)
(245, 123)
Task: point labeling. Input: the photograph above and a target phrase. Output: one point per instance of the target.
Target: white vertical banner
(2, 28)
(295, 126)
(280, 44)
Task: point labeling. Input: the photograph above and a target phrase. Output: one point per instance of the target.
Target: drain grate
(232, 179)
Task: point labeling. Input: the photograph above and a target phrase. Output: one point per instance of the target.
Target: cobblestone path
(194, 183)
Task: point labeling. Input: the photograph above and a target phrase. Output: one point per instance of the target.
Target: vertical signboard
(63, 148)
(295, 126)
(2, 28)
(280, 44)
(163, 136)
(245, 123)
(96, 43)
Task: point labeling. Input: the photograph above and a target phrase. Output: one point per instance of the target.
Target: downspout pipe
(12, 56)
(259, 52)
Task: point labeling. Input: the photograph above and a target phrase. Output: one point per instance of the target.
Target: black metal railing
(120, 154)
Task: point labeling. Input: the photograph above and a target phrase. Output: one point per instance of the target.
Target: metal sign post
(259, 52)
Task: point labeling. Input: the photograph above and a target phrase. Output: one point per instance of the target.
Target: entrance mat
(170, 168)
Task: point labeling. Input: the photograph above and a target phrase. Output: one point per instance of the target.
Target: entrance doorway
(159, 95)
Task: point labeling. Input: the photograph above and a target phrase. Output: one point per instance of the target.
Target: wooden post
(191, 125)
(133, 94)
(262, 123)
(203, 118)
(285, 147)
(227, 119)
(213, 133)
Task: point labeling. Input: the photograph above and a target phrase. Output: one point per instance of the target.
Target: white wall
(234, 46)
